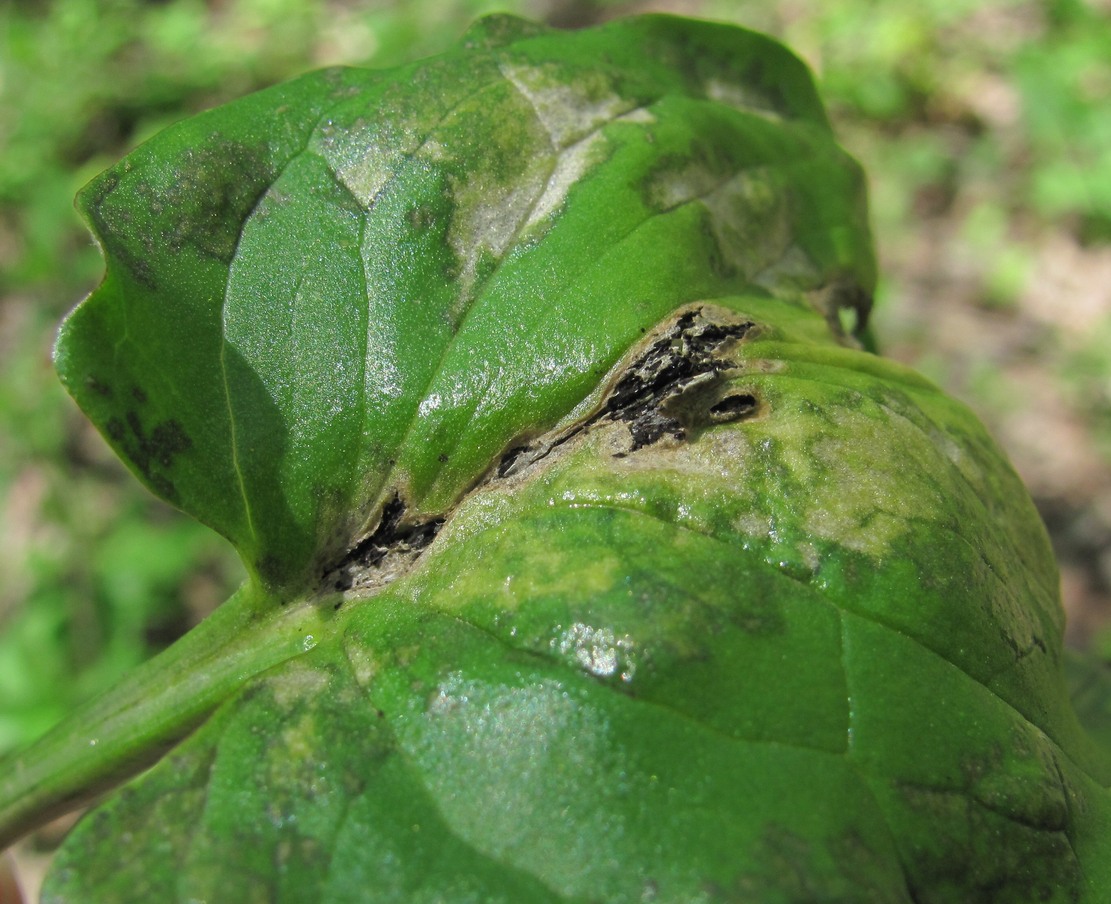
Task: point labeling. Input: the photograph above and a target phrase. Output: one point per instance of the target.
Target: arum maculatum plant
(591, 558)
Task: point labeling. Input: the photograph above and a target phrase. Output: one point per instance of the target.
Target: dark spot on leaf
(217, 187)
(148, 450)
(421, 217)
(271, 568)
(718, 262)
(100, 388)
(163, 487)
(790, 867)
(755, 618)
(441, 458)
(138, 395)
(139, 267)
(167, 440)
(113, 220)
(101, 188)
(989, 855)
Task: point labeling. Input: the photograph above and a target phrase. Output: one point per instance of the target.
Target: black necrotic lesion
(665, 392)
(671, 365)
(675, 387)
(394, 535)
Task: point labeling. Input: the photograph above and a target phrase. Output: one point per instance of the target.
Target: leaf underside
(518, 374)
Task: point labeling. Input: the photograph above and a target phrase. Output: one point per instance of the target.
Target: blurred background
(984, 125)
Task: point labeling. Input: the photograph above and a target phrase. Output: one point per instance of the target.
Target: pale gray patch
(567, 111)
(538, 734)
(675, 188)
(571, 165)
(741, 97)
(638, 115)
(789, 275)
(363, 659)
(751, 221)
(365, 155)
(488, 219)
(297, 681)
(600, 651)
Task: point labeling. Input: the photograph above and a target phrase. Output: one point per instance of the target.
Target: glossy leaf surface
(593, 562)
(308, 294)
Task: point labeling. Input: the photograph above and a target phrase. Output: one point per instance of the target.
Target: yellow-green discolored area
(731, 665)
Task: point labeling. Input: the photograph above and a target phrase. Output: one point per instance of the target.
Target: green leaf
(591, 561)
(305, 312)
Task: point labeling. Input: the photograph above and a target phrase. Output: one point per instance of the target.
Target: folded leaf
(591, 560)
(356, 287)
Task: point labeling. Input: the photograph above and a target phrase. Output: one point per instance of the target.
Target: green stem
(125, 730)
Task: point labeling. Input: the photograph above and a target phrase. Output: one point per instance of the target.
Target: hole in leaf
(733, 408)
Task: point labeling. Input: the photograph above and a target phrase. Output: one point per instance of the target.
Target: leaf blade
(300, 284)
(548, 379)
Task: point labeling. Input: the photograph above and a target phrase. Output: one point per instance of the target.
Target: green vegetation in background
(998, 104)
(82, 81)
